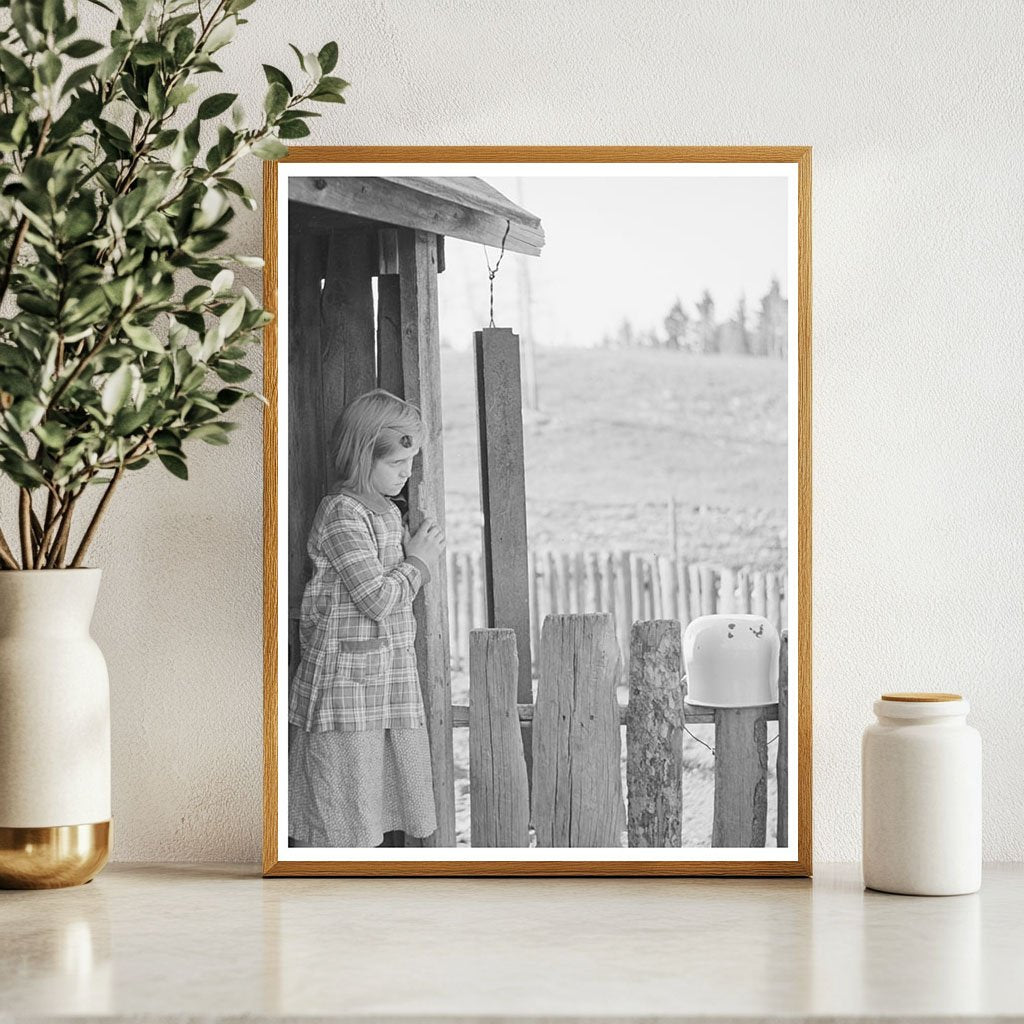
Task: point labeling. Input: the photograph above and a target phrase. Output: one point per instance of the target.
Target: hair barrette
(406, 441)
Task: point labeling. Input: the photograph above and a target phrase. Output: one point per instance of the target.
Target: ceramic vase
(54, 731)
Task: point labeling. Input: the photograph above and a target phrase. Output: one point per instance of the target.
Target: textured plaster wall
(914, 113)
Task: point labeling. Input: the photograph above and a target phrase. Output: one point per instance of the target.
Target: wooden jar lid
(921, 698)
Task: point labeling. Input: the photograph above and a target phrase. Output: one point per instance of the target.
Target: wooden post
(505, 570)
(654, 735)
(636, 588)
(708, 595)
(667, 585)
(741, 777)
(743, 591)
(349, 359)
(421, 374)
(465, 610)
(608, 585)
(534, 612)
(727, 592)
(307, 476)
(564, 587)
(479, 605)
(453, 609)
(624, 603)
(579, 573)
(774, 613)
(683, 576)
(593, 599)
(499, 796)
(553, 604)
(782, 754)
(673, 527)
(577, 785)
(758, 604)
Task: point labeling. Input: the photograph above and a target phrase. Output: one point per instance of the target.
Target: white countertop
(181, 941)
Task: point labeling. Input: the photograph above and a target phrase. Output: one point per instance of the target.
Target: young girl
(359, 760)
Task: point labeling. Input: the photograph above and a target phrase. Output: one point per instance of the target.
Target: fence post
(654, 735)
(534, 563)
(741, 777)
(453, 610)
(498, 791)
(669, 591)
(742, 605)
(758, 602)
(708, 597)
(682, 572)
(727, 592)
(782, 754)
(774, 614)
(624, 602)
(577, 784)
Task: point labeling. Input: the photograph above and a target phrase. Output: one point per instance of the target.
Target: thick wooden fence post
(421, 377)
(654, 735)
(577, 784)
(741, 777)
(782, 754)
(498, 791)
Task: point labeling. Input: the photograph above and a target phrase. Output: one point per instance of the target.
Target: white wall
(913, 110)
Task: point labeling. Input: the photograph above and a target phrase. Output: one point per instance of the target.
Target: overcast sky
(623, 247)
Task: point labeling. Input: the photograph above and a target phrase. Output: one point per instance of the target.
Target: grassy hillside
(618, 433)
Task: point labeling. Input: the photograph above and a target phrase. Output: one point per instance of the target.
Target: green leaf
(49, 68)
(222, 282)
(276, 99)
(323, 96)
(53, 435)
(175, 465)
(26, 414)
(269, 149)
(292, 130)
(116, 390)
(328, 58)
(77, 79)
(144, 338)
(232, 373)
(275, 76)
(221, 35)
(149, 53)
(14, 68)
(215, 105)
(184, 44)
(334, 84)
(181, 94)
(83, 48)
(232, 319)
(211, 433)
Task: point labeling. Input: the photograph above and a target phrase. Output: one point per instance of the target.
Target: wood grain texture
(421, 372)
(801, 692)
(741, 777)
(499, 795)
(389, 334)
(402, 202)
(654, 735)
(307, 452)
(505, 565)
(347, 332)
(577, 787)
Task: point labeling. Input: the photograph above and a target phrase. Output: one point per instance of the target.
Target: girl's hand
(426, 543)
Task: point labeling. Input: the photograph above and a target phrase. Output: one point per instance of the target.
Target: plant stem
(61, 543)
(97, 516)
(25, 519)
(6, 555)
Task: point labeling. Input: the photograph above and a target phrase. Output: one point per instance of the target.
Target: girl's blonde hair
(373, 427)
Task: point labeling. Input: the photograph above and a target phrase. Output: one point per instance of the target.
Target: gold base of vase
(51, 858)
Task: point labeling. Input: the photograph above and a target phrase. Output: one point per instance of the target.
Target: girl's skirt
(346, 789)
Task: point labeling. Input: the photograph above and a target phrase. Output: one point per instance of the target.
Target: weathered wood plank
(668, 587)
(694, 714)
(708, 594)
(348, 335)
(773, 600)
(389, 334)
(624, 603)
(782, 754)
(405, 202)
(307, 477)
(421, 374)
(534, 610)
(741, 777)
(577, 787)
(498, 793)
(758, 603)
(682, 571)
(654, 735)
(727, 592)
(505, 564)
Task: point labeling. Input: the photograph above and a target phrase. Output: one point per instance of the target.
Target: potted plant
(122, 339)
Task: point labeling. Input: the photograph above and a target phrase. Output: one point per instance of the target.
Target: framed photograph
(537, 516)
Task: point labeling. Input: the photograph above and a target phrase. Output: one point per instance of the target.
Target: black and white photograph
(537, 586)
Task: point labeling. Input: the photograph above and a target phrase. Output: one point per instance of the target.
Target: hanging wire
(699, 740)
(492, 271)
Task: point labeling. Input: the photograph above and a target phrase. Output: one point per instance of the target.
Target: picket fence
(631, 586)
(572, 792)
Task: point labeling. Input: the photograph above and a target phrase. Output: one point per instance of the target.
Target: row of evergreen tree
(702, 333)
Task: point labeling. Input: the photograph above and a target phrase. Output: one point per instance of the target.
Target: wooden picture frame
(383, 212)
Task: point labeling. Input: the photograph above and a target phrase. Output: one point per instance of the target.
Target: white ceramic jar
(921, 789)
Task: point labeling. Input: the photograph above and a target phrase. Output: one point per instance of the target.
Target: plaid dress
(356, 630)
(358, 753)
